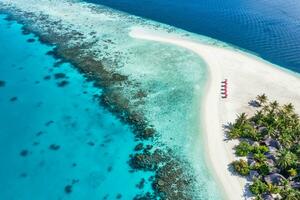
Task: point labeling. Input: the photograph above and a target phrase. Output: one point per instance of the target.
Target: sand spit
(247, 77)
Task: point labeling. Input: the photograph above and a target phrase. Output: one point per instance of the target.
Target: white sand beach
(247, 77)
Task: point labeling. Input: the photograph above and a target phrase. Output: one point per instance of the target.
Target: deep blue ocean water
(268, 28)
(56, 141)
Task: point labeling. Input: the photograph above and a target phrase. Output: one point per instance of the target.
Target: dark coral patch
(140, 94)
(39, 133)
(47, 77)
(74, 181)
(62, 83)
(59, 75)
(58, 63)
(23, 175)
(30, 40)
(54, 147)
(13, 99)
(149, 147)
(24, 153)
(25, 31)
(49, 123)
(50, 53)
(68, 189)
(2, 83)
(138, 147)
(9, 18)
(141, 184)
(146, 196)
(147, 133)
(91, 143)
(147, 161)
(35, 143)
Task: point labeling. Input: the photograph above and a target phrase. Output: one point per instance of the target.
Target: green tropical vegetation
(241, 166)
(269, 147)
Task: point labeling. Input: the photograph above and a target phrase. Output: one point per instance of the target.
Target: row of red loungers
(224, 89)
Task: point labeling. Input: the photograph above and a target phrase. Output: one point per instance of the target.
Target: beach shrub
(286, 138)
(259, 157)
(292, 172)
(261, 167)
(273, 189)
(296, 148)
(250, 132)
(241, 167)
(264, 169)
(258, 117)
(241, 120)
(286, 159)
(234, 133)
(290, 194)
(260, 149)
(258, 187)
(243, 149)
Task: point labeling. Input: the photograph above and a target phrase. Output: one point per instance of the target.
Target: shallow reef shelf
(153, 87)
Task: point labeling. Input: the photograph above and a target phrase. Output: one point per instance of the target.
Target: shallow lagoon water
(175, 80)
(90, 147)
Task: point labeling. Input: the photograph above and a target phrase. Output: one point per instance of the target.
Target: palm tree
(274, 105)
(262, 99)
(288, 108)
(260, 157)
(266, 109)
(257, 118)
(286, 139)
(234, 133)
(295, 118)
(286, 159)
(290, 194)
(241, 119)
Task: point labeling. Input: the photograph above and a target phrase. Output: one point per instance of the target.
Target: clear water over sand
(53, 137)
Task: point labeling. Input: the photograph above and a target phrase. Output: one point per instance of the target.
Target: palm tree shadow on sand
(247, 194)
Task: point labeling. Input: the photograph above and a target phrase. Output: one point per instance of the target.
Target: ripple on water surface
(268, 28)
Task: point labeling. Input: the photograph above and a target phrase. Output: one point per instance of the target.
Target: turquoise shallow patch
(52, 137)
(173, 77)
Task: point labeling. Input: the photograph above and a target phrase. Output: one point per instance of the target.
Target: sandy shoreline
(247, 76)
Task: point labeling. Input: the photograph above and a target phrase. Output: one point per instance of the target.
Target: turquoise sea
(56, 141)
